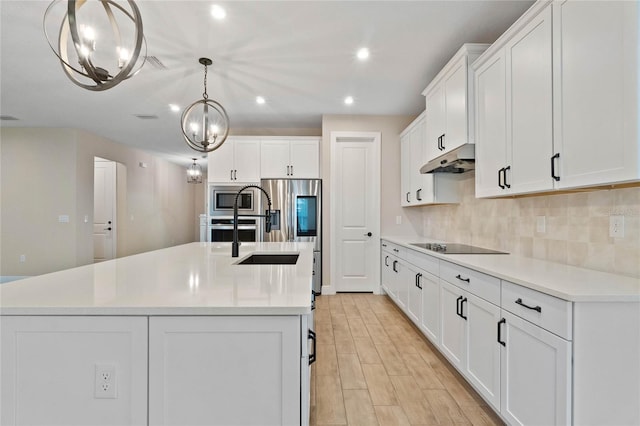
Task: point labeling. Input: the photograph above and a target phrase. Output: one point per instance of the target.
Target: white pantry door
(355, 211)
(104, 210)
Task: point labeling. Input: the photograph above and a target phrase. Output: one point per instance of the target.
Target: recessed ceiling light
(174, 107)
(218, 12)
(363, 53)
(260, 100)
(348, 100)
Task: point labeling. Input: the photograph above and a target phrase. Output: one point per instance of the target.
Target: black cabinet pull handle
(462, 308)
(505, 176)
(442, 142)
(384, 245)
(500, 178)
(458, 306)
(313, 298)
(418, 279)
(533, 308)
(467, 280)
(439, 138)
(408, 201)
(396, 250)
(231, 174)
(385, 261)
(502, 321)
(418, 194)
(553, 167)
(312, 356)
(394, 266)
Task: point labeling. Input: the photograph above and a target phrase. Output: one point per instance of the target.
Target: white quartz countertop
(190, 279)
(563, 281)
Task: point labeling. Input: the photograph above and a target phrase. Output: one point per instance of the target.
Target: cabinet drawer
(424, 261)
(482, 285)
(546, 311)
(392, 248)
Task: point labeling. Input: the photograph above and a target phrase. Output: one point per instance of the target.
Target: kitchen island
(183, 335)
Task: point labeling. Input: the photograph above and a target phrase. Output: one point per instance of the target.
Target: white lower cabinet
(430, 321)
(224, 370)
(453, 327)
(535, 374)
(414, 293)
(469, 339)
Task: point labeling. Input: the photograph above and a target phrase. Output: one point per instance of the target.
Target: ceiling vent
(8, 118)
(146, 116)
(155, 62)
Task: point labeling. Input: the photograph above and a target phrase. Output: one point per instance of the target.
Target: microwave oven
(222, 198)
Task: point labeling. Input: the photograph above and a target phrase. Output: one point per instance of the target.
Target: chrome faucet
(235, 246)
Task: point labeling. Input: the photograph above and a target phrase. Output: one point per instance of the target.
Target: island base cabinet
(535, 374)
(50, 366)
(225, 370)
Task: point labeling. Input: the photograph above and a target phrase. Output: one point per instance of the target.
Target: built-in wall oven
(221, 200)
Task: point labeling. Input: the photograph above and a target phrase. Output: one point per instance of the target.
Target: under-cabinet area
(529, 336)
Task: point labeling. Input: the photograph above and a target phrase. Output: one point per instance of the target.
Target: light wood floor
(373, 367)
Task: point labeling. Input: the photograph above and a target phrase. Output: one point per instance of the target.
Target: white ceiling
(299, 55)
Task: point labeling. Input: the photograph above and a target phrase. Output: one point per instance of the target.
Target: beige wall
(577, 226)
(390, 128)
(49, 172)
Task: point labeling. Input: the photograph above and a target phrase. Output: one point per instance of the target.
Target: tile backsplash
(576, 226)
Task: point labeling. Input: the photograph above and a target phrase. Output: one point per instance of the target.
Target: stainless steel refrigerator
(297, 216)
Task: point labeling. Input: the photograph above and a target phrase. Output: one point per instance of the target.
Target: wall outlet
(541, 224)
(86, 218)
(23, 258)
(616, 226)
(63, 218)
(105, 381)
(398, 220)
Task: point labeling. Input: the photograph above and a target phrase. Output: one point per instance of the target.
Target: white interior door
(355, 211)
(104, 210)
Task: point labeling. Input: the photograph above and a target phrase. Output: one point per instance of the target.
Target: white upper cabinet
(448, 99)
(237, 160)
(514, 134)
(290, 158)
(491, 125)
(596, 87)
(421, 189)
(570, 100)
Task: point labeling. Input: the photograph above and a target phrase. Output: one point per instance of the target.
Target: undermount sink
(270, 259)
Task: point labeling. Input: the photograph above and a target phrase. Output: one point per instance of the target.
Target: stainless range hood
(459, 160)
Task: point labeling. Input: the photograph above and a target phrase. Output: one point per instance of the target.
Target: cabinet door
(482, 361)
(221, 164)
(535, 371)
(224, 370)
(455, 88)
(453, 327)
(421, 185)
(406, 198)
(247, 161)
(430, 323)
(435, 121)
(414, 294)
(529, 116)
(274, 159)
(400, 282)
(305, 159)
(491, 123)
(387, 275)
(596, 72)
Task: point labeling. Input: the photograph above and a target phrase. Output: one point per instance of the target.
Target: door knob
(107, 229)
(368, 234)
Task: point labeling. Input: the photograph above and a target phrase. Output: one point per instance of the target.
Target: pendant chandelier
(194, 173)
(95, 50)
(205, 124)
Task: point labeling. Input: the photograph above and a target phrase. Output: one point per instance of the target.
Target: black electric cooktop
(453, 248)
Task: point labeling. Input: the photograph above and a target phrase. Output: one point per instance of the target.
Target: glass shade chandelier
(205, 124)
(95, 47)
(194, 173)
